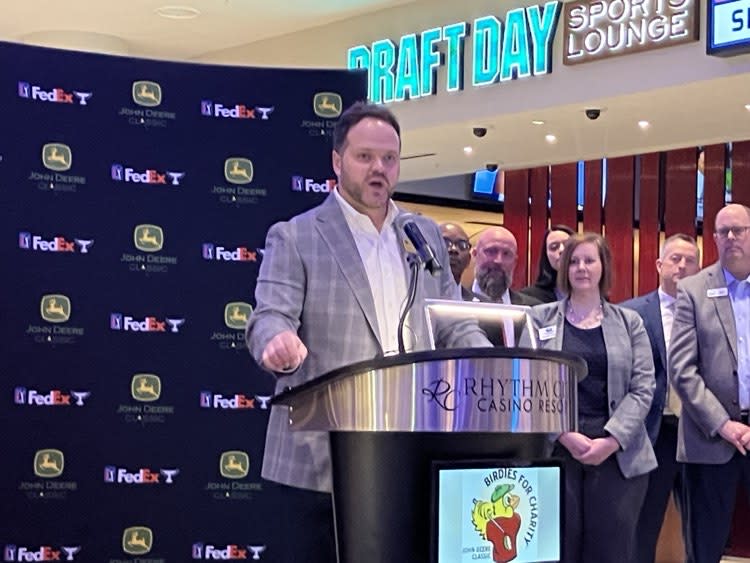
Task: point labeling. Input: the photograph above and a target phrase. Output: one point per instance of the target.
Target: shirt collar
(361, 221)
(665, 299)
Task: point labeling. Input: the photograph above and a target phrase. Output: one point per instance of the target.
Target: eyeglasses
(738, 232)
(460, 244)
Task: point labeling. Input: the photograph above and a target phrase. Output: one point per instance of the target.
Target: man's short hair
(356, 113)
(679, 236)
(605, 256)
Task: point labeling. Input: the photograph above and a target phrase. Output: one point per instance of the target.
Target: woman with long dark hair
(545, 286)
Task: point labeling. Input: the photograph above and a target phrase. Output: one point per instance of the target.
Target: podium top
(460, 389)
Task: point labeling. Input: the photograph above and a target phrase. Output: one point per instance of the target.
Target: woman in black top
(545, 286)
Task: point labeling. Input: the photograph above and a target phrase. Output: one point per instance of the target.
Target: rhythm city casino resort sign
(519, 45)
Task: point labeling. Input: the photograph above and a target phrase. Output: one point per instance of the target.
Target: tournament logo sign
(327, 105)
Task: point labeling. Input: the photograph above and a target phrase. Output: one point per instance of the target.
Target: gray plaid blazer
(703, 366)
(312, 281)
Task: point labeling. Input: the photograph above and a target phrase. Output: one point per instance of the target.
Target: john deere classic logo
(238, 170)
(146, 93)
(57, 157)
(327, 105)
(145, 387)
(49, 463)
(234, 464)
(137, 540)
(55, 308)
(236, 314)
(148, 238)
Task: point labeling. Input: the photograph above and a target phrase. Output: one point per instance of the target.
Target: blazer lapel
(336, 233)
(653, 317)
(716, 280)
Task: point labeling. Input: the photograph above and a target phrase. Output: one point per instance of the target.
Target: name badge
(547, 332)
(717, 292)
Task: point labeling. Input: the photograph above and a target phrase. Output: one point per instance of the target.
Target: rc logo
(234, 464)
(55, 308)
(236, 314)
(48, 463)
(56, 95)
(137, 540)
(57, 157)
(145, 387)
(120, 173)
(327, 105)
(302, 184)
(148, 238)
(146, 93)
(238, 170)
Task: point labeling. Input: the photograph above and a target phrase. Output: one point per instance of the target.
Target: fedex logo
(43, 553)
(120, 173)
(53, 398)
(29, 241)
(118, 321)
(55, 95)
(234, 402)
(207, 552)
(239, 254)
(210, 108)
(143, 476)
(301, 184)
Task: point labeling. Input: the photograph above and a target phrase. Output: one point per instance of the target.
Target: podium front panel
(474, 394)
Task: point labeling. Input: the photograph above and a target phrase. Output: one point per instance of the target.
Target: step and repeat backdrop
(134, 200)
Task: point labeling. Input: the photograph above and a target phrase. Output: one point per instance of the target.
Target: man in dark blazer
(327, 295)
(495, 258)
(709, 367)
(679, 258)
(459, 252)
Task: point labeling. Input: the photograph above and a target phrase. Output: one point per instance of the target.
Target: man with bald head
(459, 252)
(495, 258)
(709, 367)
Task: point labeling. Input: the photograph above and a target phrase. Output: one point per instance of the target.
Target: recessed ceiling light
(468, 150)
(643, 124)
(177, 12)
(550, 138)
(537, 122)
(747, 107)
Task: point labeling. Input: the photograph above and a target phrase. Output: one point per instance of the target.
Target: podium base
(382, 486)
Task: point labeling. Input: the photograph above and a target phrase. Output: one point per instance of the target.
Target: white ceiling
(696, 112)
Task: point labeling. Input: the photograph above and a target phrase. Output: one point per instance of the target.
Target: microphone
(424, 251)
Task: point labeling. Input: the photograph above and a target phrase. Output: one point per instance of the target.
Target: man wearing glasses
(709, 366)
(459, 251)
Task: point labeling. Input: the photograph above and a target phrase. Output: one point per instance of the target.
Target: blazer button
(735, 402)
(734, 373)
(612, 404)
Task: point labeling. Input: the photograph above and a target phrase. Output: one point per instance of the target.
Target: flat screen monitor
(497, 511)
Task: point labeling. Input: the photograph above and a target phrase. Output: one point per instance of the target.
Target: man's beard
(493, 281)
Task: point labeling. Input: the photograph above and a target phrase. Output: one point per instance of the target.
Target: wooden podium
(389, 419)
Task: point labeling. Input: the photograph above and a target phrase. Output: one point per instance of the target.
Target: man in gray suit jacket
(709, 366)
(679, 258)
(328, 294)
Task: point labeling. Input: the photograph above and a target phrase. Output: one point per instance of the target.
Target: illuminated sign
(599, 29)
(518, 47)
(728, 27)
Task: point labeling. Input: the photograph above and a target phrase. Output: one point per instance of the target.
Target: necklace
(589, 319)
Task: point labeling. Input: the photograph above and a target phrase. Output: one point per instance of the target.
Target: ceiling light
(747, 107)
(468, 150)
(537, 122)
(550, 138)
(177, 12)
(643, 124)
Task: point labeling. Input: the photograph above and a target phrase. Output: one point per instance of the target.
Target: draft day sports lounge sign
(599, 29)
(501, 50)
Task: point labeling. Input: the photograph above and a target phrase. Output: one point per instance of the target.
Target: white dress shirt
(384, 267)
(672, 405)
(739, 294)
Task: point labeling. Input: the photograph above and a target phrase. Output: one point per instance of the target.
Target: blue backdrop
(134, 200)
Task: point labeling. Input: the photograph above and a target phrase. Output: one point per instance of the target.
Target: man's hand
(601, 449)
(284, 352)
(576, 443)
(736, 434)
